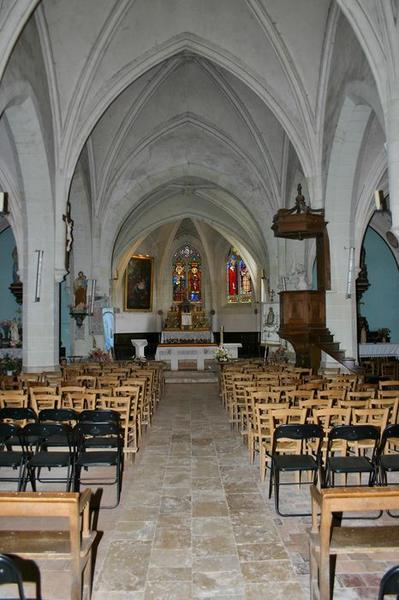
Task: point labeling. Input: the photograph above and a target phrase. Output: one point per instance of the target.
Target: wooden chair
(13, 399)
(296, 396)
(87, 381)
(392, 404)
(328, 418)
(335, 395)
(72, 542)
(354, 404)
(390, 384)
(127, 407)
(255, 396)
(262, 437)
(79, 401)
(41, 401)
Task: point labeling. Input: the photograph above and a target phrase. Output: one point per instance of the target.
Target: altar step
(186, 376)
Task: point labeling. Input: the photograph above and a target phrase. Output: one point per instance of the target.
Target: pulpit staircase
(303, 312)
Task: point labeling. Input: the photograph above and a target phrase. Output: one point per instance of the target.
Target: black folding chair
(42, 438)
(10, 574)
(10, 458)
(388, 462)
(59, 415)
(302, 461)
(99, 444)
(389, 583)
(349, 462)
(18, 415)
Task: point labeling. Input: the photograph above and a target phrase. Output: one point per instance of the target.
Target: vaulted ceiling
(206, 109)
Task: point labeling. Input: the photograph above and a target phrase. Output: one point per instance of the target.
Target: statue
(14, 334)
(80, 291)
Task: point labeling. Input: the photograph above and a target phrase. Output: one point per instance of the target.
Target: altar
(186, 337)
(196, 352)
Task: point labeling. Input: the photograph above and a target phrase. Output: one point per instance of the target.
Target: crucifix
(68, 234)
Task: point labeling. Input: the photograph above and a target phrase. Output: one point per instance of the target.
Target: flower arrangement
(279, 356)
(10, 364)
(100, 356)
(222, 354)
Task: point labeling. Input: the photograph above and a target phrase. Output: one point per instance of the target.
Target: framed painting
(139, 283)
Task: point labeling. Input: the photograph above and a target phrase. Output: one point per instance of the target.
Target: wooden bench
(330, 539)
(72, 543)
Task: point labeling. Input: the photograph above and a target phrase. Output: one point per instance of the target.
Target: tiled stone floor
(194, 521)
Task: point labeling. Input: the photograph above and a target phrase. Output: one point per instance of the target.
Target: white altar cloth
(378, 350)
(176, 352)
(179, 334)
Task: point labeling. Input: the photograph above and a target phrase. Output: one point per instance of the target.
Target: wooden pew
(72, 543)
(329, 539)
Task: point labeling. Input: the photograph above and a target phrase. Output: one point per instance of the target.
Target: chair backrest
(58, 415)
(17, 414)
(90, 429)
(390, 432)
(42, 432)
(390, 384)
(10, 574)
(389, 583)
(365, 395)
(298, 431)
(39, 401)
(331, 417)
(353, 404)
(335, 394)
(354, 433)
(371, 416)
(99, 416)
(7, 430)
(296, 396)
(13, 401)
(392, 404)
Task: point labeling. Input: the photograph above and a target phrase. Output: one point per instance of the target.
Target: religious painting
(139, 283)
(238, 279)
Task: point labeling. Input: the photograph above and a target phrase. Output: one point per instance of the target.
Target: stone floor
(194, 521)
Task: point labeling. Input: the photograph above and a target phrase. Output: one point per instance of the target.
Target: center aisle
(193, 520)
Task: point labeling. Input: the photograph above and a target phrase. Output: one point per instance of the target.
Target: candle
(221, 335)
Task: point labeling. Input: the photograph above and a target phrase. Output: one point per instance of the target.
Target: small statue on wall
(80, 291)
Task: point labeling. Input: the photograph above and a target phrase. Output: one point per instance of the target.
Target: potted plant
(10, 364)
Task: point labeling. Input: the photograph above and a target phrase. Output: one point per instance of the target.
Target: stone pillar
(40, 318)
(392, 120)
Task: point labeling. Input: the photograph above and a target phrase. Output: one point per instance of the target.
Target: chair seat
(295, 462)
(101, 442)
(390, 462)
(94, 458)
(11, 459)
(349, 464)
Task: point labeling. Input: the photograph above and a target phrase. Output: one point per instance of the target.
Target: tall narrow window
(239, 282)
(186, 275)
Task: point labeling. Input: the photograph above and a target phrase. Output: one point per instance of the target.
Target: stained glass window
(239, 283)
(186, 276)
